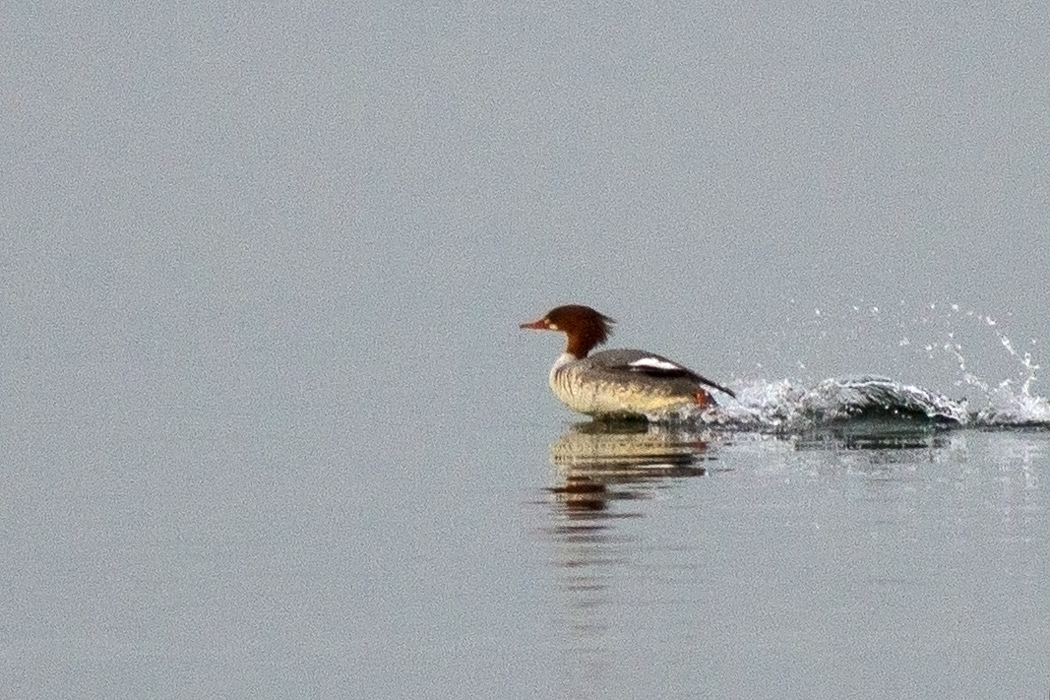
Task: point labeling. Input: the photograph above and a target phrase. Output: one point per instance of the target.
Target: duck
(623, 383)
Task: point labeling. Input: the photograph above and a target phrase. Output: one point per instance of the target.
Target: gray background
(363, 176)
(263, 265)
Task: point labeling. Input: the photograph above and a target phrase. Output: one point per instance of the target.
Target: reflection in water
(603, 462)
(886, 436)
(877, 447)
(1020, 504)
(601, 465)
(892, 518)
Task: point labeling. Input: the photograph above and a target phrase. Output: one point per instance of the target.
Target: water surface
(808, 566)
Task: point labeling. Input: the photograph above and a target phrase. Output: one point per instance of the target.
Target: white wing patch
(655, 363)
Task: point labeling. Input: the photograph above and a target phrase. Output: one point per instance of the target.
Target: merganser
(616, 383)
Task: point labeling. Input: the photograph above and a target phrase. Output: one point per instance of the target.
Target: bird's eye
(552, 326)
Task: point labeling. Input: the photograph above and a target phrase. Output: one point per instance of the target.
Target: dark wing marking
(665, 369)
(713, 385)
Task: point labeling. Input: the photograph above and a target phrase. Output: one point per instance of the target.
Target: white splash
(1011, 402)
(785, 406)
(970, 340)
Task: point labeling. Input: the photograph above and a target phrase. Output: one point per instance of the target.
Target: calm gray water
(426, 557)
(276, 561)
(268, 427)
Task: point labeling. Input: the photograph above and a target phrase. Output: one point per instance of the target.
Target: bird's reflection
(604, 472)
(602, 462)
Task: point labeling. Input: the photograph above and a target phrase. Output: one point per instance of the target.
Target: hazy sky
(363, 176)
